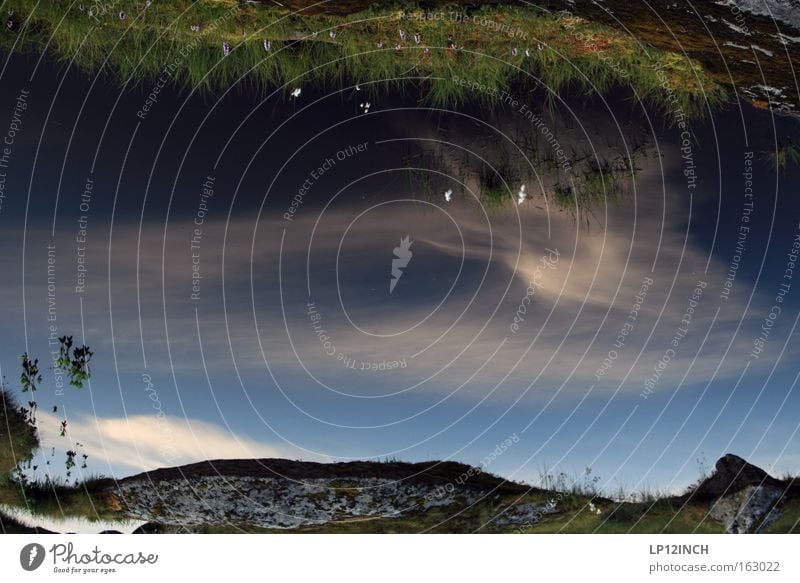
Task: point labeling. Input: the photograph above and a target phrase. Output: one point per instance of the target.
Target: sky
(238, 253)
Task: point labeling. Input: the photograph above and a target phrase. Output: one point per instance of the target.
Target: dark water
(231, 263)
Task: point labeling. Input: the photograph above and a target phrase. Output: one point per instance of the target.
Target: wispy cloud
(121, 446)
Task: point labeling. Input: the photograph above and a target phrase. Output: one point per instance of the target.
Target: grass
(789, 520)
(18, 439)
(160, 40)
(18, 443)
(784, 155)
(58, 500)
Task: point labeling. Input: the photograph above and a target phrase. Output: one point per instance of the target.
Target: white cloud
(121, 446)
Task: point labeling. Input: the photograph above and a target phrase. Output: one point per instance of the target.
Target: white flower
(296, 92)
(448, 195)
(521, 196)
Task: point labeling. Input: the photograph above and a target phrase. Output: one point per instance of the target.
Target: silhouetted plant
(69, 463)
(63, 361)
(30, 376)
(75, 362)
(79, 372)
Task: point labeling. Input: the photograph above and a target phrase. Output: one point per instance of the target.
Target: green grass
(58, 500)
(789, 520)
(139, 48)
(632, 518)
(18, 439)
(18, 443)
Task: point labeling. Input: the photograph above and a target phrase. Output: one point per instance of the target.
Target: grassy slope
(141, 45)
(18, 442)
(18, 439)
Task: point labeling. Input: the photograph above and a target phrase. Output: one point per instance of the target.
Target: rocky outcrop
(749, 510)
(744, 497)
(250, 495)
(731, 474)
(282, 494)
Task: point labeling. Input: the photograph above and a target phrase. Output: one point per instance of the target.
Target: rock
(284, 494)
(731, 475)
(526, 514)
(744, 497)
(751, 509)
(157, 528)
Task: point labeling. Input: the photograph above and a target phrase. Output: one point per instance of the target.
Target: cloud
(125, 445)
(576, 318)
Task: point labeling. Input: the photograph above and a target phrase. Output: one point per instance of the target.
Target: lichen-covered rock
(282, 494)
(274, 503)
(525, 514)
(751, 509)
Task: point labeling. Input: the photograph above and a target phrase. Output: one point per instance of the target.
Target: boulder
(749, 510)
(733, 474)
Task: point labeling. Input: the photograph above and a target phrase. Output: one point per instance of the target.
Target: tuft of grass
(784, 155)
